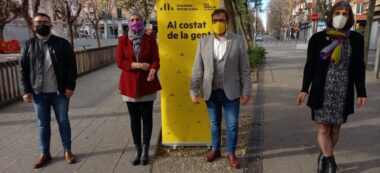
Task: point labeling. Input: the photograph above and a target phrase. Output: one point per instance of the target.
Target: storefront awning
(309, 24)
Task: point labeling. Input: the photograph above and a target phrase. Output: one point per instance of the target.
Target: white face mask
(339, 22)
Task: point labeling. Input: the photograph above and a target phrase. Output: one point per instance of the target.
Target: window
(359, 8)
(119, 13)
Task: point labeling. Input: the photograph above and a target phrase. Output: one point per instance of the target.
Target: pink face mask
(136, 26)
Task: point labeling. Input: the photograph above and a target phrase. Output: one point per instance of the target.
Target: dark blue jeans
(42, 105)
(217, 101)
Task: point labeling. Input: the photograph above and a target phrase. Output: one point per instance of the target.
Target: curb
(254, 156)
(155, 151)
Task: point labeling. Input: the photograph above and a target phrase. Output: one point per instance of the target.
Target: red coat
(133, 82)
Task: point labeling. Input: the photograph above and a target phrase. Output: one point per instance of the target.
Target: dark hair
(337, 6)
(218, 11)
(43, 15)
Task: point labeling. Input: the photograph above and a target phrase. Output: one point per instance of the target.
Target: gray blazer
(237, 79)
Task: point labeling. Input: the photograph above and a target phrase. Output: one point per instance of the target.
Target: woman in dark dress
(334, 66)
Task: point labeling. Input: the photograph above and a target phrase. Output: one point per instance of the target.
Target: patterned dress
(335, 91)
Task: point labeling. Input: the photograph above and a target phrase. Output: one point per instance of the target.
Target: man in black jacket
(47, 78)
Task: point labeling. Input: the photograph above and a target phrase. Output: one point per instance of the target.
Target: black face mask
(43, 30)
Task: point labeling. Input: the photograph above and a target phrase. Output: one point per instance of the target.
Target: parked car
(259, 38)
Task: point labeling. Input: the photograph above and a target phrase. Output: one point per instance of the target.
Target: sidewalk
(290, 144)
(101, 136)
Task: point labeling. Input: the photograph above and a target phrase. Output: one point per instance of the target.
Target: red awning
(360, 17)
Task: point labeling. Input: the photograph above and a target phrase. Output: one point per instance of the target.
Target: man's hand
(69, 93)
(27, 97)
(245, 99)
(361, 101)
(194, 99)
(300, 98)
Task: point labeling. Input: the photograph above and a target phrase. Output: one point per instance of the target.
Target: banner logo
(167, 7)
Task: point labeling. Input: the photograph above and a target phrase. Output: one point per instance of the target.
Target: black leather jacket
(32, 60)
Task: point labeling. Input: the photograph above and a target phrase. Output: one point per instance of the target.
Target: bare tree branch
(68, 12)
(35, 6)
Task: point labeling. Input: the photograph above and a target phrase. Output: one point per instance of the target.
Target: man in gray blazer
(221, 74)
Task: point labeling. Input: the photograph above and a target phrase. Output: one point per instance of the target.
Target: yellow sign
(181, 23)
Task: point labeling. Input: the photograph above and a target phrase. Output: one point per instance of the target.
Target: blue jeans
(231, 108)
(42, 105)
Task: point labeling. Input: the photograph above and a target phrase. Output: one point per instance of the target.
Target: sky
(264, 14)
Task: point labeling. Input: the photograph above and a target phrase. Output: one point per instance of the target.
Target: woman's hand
(151, 75)
(300, 98)
(144, 66)
(69, 93)
(361, 101)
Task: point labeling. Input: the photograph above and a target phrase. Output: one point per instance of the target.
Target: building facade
(302, 25)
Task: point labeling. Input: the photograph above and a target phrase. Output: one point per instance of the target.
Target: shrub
(256, 55)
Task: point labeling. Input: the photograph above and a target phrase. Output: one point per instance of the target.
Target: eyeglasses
(218, 20)
(42, 22)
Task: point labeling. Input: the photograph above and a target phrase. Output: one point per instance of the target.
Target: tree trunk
(97, 33)
(24, 12)
(2, 32)
(368, 28)
(377, 62)
(241, 23)
(316, 10)
(71, 33)
(146, 11)
(231, 21)
(250, 33)
(249, 25)
(35, 7)
(255, 28)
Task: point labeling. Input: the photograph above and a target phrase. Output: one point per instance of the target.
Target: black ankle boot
(321, 163)
(330, 165)
(136, 161)
(145, 155)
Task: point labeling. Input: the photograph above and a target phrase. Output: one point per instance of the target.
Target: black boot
(330, 165)
(145, 155)
(136, 161)
(321, 163)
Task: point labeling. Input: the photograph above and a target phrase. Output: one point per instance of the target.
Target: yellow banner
(181, 23)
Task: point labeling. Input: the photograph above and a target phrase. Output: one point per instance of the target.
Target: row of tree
(243, 12)
(68, 12)
(281, 16)
(280, 12)
(244, 20)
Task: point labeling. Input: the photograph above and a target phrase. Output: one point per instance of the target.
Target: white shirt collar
(223, 38)
(220, 47)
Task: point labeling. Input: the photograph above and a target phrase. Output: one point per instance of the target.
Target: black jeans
(138, 111)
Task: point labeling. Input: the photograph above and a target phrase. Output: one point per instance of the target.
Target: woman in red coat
(137, 57)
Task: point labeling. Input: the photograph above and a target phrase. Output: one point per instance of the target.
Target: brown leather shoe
(44, 158)
(212, 155)
(69, 157)
(233, 161)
